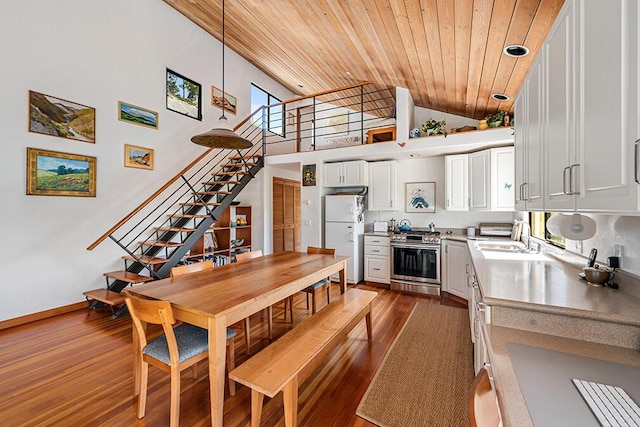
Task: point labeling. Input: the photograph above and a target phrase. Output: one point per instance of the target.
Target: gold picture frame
(52, 173)
(138, 157)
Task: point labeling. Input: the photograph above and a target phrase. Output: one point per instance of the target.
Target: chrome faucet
(530, 245)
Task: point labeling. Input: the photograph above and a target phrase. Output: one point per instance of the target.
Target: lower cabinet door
(377, 269)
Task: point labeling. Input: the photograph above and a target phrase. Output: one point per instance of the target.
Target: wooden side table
(381, 134)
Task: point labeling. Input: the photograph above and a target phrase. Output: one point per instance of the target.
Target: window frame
(537, 221)
(271, 99)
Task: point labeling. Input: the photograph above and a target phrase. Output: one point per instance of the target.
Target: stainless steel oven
(415, 262)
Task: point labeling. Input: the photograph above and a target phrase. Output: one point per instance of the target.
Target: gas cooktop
(416, 236)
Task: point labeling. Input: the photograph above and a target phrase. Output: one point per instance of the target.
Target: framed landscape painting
(51, 173)
(420, 197)
(49, 115)
(184, 96)
(137, 115)
(138, 157)
(230, 102)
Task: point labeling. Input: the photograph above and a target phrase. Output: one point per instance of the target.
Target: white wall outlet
(307, 222)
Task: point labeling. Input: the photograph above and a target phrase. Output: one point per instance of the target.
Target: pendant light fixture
(222, 136)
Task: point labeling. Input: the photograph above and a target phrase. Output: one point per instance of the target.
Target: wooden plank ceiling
(448, 53)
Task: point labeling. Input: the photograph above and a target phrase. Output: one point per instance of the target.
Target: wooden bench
(286, 363)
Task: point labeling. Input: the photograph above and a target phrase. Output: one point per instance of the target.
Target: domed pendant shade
(573, 227)
(223, 135)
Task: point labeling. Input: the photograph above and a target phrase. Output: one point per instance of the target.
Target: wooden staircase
(166, 244)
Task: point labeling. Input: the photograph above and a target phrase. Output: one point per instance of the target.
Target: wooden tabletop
(239, 290)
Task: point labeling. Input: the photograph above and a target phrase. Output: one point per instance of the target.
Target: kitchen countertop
(541, 302)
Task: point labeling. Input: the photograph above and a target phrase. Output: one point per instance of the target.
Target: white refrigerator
(344, 231)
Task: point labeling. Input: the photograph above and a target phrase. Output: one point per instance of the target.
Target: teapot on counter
(405, 225)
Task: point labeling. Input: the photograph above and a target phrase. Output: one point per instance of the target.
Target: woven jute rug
(424, 379)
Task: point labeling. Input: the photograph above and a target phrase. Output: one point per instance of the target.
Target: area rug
(425, 377)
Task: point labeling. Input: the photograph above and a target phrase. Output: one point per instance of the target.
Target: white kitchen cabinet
(589, 127)
(491, 179)
(454, 268)
(346, 174)
(528, 156)
(457, 182)
(377, 259)
(382, 194)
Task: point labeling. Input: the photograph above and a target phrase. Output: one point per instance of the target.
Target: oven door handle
(417, 246)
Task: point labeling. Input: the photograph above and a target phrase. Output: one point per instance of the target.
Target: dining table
(220, 297)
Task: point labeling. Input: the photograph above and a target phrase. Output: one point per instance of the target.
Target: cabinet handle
(571, 175)
(564, 180)
(377, 269)
(636, 161)
(481, 307)
(466, 269)
(526, 191)
(448, 203)
(375, 250)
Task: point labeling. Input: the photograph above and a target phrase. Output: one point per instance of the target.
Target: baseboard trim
(10, 323)
(446, 296)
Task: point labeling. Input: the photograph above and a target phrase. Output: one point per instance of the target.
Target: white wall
(96, 54)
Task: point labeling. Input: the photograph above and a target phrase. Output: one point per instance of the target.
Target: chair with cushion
(181, 270)
(320, 285)
(177, 349)
(241, 257)
(483, 406)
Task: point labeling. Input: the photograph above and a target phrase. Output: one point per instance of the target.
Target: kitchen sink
(506, 247)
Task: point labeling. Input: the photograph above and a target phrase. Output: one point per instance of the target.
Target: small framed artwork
(137, 115)
(339, 124)
(51, 173)
(420, 197)
(184, 96)
(49, 115)
(138, 157)
(309, 175)
(217, 100)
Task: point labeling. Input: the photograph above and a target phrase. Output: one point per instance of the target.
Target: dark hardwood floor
(75, 369)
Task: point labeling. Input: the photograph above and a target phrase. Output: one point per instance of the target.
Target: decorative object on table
(414, 133)
(241, 220)
(137, 115)
(217, 100)
(49, 115)
(420, 197)
(596, 276)
(138, 157)
(309, 175)
(496, 120)
(222, 136)
(51, 173)
(405, 225)
(184, 95)
(432, 127)
(237, 242)
(465, 128)
(482, 124)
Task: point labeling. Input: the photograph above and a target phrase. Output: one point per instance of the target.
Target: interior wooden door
(286, 215)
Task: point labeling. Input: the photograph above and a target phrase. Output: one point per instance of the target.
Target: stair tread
(252, 156)
(161, 243)
(127, 276)
(221, 182)
(230, 173)
(177, 229)
(106, 296)
(239, 164)
(200, 204)
(213, 192)
(146, 259)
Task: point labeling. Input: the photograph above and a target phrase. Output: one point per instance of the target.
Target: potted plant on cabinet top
(432, 127)
(496, 120)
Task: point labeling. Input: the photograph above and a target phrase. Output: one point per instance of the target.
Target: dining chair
(195, 267)
(483, 405)
(241, 257)
(177, 349)
(317, 287)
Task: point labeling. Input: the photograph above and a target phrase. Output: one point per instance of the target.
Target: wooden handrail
(202, 156)
(147, 201)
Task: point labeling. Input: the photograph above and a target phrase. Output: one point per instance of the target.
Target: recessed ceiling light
(348, 73)
(301, 86)
(500, 96)
(516, 50)
(415, 155)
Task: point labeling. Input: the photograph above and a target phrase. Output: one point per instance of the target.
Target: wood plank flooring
(75, 369)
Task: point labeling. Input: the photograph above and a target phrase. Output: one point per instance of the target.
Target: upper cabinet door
(534, 141)
(457, 182)
(607, 124)
(520, 148)
(559, 145)
(355, 173)
(502, 179)
(382, 186)
(479, 177)
(333, 174)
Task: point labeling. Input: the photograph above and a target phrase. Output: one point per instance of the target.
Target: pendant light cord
(223, 117)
